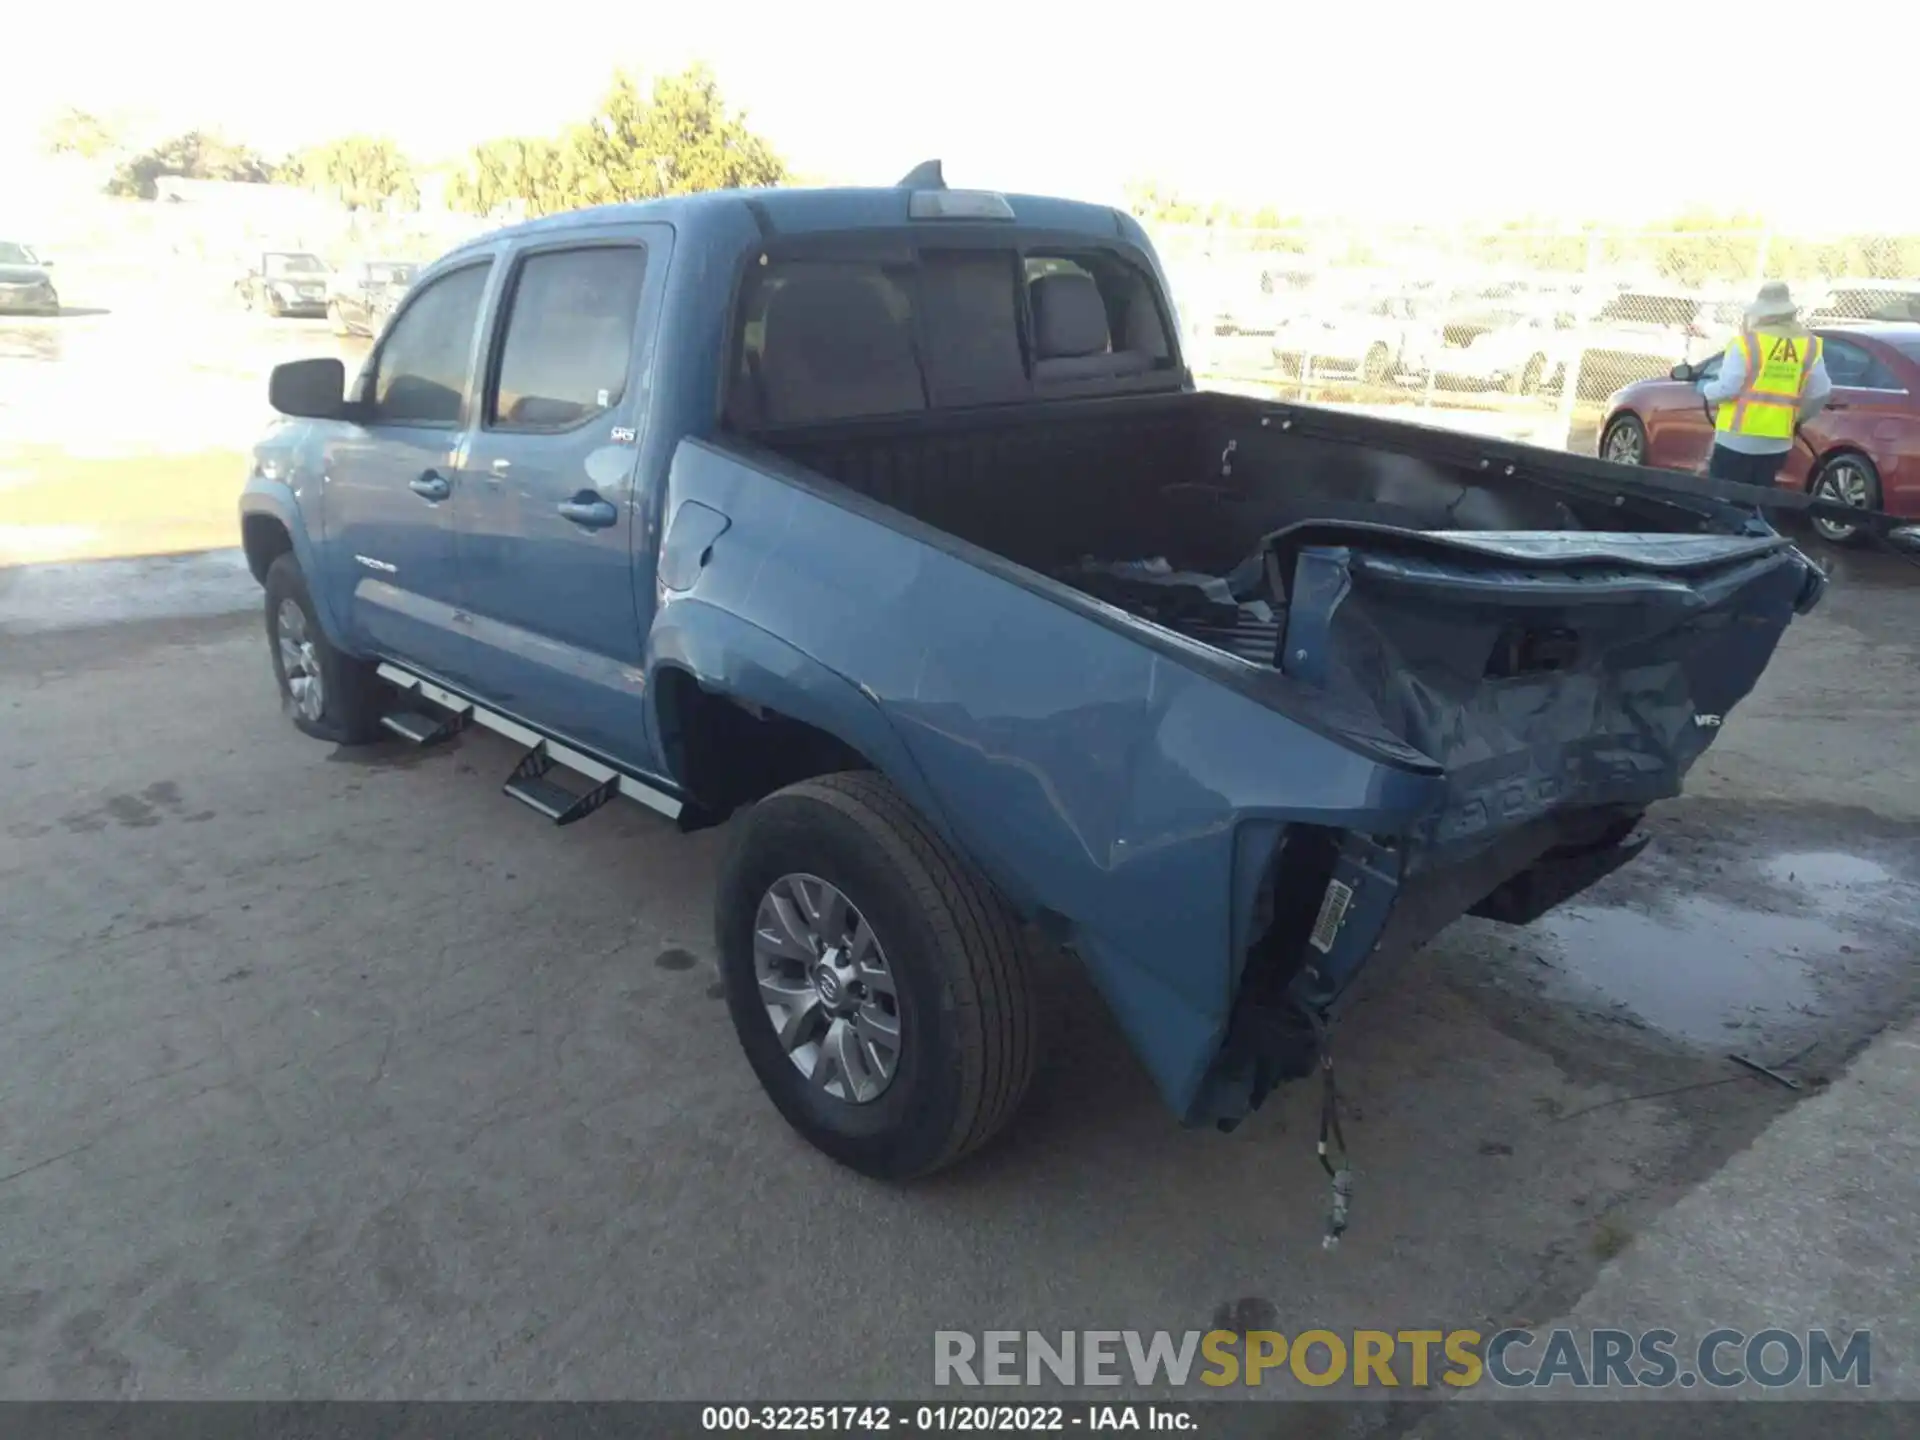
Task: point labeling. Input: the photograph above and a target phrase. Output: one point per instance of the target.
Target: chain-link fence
(1515, 331)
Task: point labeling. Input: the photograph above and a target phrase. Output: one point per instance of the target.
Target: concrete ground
(330, 1073)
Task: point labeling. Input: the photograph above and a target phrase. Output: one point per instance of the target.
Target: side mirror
(309, 389)
(1683, 371)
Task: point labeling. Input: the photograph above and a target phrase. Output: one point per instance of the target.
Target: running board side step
(424, 729)
(530, 786)
(529, 782)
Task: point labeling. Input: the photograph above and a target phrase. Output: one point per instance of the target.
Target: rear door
(1870, 410)
(388, 483)
(548, 516)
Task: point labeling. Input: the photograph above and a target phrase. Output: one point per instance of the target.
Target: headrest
(837, 320)
(831, 349)
(1069, 317)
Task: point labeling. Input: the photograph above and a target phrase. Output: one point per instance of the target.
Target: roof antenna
(924, 176)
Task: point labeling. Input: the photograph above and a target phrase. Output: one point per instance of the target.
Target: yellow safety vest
(1777, 367)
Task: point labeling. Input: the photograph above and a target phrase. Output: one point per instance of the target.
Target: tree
(195, 155)
(534, 173)
(362, 172)
(79, 132)
(678, 139)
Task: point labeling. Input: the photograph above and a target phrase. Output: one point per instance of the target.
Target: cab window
(569, 338)
(419, 374)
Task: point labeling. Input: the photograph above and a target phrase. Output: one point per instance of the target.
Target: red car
(1863, 449)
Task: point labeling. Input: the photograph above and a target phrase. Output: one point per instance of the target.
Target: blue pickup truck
(889, 526)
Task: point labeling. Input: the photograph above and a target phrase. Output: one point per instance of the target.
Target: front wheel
(328, 695)
(876, 981)
(1852, 480)
(1624, 441)
(1378, 363)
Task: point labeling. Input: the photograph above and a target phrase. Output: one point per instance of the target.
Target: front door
(1680, 434)
(547, 514)
(389, 482)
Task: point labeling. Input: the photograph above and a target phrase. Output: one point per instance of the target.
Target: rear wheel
(1850, 479)
(876, 981)
(328, 695)
(1624, 441)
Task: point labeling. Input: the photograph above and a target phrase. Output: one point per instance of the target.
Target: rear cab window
(821, 338)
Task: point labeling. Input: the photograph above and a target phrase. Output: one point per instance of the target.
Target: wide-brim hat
(1774, 302)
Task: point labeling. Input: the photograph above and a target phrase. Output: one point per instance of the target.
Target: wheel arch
(270, 526)
(738, 713)
(1833, 452)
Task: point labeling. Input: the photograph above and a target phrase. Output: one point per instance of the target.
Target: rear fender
(732, 657)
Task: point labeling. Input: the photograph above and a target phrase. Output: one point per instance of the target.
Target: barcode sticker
(1333, 909)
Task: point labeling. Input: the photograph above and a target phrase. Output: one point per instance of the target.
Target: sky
(1431, 112)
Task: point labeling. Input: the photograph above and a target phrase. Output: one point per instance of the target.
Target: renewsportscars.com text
(1373, 1359)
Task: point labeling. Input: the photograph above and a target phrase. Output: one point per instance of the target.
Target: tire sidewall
(907, 1128)
(285, 582)
(1614, 427)
(1875, 496)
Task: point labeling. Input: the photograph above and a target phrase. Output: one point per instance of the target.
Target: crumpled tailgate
(1540, 670)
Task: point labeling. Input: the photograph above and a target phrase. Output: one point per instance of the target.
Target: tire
(949, 946)
(1851, 479)
(1376, 365)
(1624, 441)
(351, 698)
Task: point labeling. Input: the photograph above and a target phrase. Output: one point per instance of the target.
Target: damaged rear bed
(1499, 655)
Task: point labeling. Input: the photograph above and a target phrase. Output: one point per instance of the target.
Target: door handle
(431, 486)
(589, 510)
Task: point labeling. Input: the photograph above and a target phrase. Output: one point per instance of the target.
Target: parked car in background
(361, 295)
(1520, 348)
(1863, 450)
(1640, 333)
(285, 282)
(1896, 300)
(25, 286)
(1369, 339)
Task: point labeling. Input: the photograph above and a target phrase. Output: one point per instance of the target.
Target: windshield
(13, 253)
(1875, 304)
(390, 272)
(296, 264)
(1669, 311)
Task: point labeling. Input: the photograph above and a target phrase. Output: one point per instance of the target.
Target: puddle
(1826, 869)
(1700, 971)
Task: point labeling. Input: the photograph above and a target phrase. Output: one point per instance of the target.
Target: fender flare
(732, 657)
(275, 500)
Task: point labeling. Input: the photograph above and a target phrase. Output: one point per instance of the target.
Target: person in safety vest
(1772, 378)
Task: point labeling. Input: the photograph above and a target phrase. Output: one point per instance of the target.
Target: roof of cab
(798, 211)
